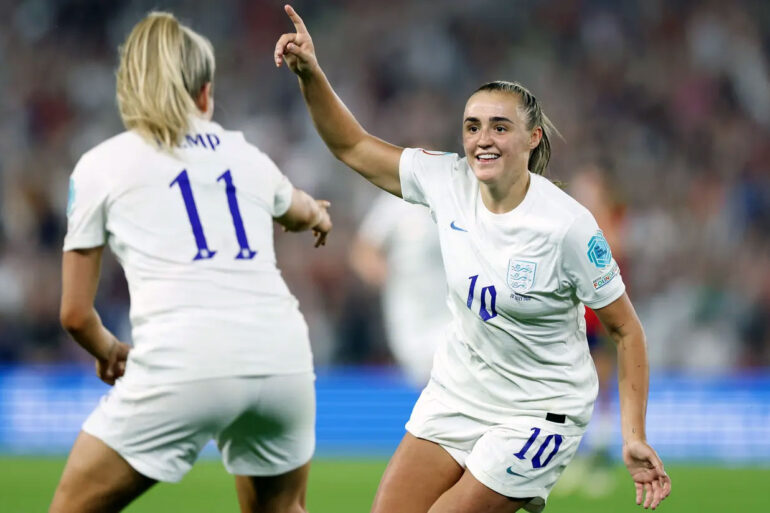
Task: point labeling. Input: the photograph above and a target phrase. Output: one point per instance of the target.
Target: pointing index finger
(299, 25)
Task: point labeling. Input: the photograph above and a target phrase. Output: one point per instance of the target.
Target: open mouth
(487, 157)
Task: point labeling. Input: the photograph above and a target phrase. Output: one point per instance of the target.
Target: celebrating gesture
(296, 48)
(512, 386)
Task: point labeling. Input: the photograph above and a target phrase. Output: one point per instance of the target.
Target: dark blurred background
(664, 107)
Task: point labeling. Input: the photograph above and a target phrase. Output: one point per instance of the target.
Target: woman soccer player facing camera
(513, 385)
(220, 348)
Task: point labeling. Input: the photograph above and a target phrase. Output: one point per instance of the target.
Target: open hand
(296, 48)
(647, 471)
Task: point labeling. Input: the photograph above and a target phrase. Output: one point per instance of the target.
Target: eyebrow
(493, 119)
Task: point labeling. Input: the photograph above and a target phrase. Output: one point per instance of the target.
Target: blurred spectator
(670, 99)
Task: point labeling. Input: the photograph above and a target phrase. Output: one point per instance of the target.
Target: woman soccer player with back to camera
(513, 385)
(220, 348)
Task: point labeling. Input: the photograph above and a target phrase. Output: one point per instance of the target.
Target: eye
(500, 129)
(472, 129)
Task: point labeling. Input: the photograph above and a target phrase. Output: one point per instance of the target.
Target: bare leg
(418, 474)
(471, 496)
(96, 479)
(284, 493)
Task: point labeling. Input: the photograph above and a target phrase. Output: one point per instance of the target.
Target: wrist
(635, 437)
(309, 73)
(106, 347)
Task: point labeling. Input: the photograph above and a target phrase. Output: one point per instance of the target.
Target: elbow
(74, 319)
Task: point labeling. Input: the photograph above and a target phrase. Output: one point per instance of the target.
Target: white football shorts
(263, 425)
(521, 458)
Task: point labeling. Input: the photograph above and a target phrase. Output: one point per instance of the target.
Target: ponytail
(163, 68)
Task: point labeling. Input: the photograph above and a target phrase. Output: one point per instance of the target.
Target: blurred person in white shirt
(397, 250)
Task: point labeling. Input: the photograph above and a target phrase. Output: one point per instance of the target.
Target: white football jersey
(193, 231)
(414, 293)
(517, 285)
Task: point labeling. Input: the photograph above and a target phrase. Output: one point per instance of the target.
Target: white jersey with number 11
(193, 230)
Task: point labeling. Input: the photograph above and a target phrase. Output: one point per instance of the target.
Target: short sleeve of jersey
(282, 200)
(281, 184)
(588, 264)
(424, 174)
(86, 217)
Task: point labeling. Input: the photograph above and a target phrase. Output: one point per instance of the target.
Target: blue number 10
(204, 253)
(483, 312)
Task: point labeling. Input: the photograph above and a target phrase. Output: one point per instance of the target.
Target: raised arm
(373, 158)
(643, 463)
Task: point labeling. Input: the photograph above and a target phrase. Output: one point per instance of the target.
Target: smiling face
(496, 138)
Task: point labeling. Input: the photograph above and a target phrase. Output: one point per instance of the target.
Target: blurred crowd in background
(664, 108)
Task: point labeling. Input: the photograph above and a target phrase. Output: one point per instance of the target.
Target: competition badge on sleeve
(599, 251)
(521, 275)
(71, 197)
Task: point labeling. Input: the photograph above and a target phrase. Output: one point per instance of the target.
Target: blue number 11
(204, 253)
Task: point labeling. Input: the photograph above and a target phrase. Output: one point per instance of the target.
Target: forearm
(89, 332)
(304, 213)
(336, 125)
(633, 383)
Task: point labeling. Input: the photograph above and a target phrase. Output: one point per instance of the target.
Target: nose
(485, 139)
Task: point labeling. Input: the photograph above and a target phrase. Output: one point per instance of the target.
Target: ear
(205, 99)
(535, 137)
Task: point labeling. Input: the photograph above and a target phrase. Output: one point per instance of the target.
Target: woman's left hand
(646, 469)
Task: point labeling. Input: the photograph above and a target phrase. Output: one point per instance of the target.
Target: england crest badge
(521, 275)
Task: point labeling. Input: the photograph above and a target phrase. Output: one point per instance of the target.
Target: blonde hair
(163, 67)
(541, 155)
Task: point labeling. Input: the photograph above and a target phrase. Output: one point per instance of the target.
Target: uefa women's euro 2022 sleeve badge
(600, 255)
(599, 251)
(70, 197)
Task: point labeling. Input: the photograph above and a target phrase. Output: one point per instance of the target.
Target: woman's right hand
(324, 224)
(296, 48)
(112, 365)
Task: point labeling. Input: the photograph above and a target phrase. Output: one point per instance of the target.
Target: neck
(501, 198)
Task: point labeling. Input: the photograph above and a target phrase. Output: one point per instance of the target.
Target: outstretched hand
(646, 469)
(324, 225)
(296, 48)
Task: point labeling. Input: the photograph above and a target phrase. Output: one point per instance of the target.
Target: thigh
(284, 493)
(418, 474)
(469, 495)
(275, 432)
(96, 479)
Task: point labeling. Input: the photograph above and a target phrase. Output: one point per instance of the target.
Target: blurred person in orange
(221, 350)
(512, 386)
(592, 470)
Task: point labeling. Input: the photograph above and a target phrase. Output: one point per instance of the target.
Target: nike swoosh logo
(455, 227)
(514, 473)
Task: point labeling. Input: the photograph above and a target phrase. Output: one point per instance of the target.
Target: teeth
(488, 156)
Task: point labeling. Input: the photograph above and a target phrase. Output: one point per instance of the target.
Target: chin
(486, 175)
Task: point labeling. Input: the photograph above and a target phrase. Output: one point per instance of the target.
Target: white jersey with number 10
(517, 283)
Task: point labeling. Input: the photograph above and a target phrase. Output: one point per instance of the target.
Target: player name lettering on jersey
(207, 141)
